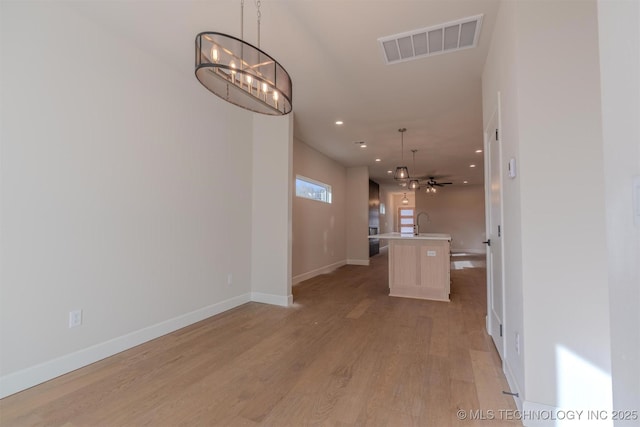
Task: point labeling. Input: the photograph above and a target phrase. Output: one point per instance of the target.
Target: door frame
(487, 134)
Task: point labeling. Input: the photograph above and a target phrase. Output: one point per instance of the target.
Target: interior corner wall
(357, 215)
(271, 209)
(619, 33)
(115, 196)
(499, 87)
(551, 125)
(455, 210)
(319, 229)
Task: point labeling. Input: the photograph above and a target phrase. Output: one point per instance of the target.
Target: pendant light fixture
(241, 73)
(402, 172)
(405, 201)
(414, 184)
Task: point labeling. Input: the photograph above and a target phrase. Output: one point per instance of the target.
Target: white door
(495, 278)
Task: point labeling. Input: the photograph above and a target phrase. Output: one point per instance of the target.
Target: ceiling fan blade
(445, 183)
(438, 184)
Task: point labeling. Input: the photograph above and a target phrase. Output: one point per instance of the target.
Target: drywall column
(556, 289)
(357, 215)
(619, 24)
(271, 209)
(566, 296)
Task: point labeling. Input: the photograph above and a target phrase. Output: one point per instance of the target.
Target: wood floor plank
(360, 309)
(345, 354)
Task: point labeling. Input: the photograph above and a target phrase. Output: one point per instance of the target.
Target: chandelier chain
(241, 19)
(259, 14)
(402, 131)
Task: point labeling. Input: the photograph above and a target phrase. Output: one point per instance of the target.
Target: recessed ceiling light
(389, 171)
(478, 151)
(363, 144)
(339, 122)
(472, 166)
(378, 160)
(465, 182)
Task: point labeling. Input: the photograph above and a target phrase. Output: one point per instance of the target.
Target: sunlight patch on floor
(462, 260)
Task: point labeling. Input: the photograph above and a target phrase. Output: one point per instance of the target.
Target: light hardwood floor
(346, 354)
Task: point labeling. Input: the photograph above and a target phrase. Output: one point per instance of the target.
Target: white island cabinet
(419, 266)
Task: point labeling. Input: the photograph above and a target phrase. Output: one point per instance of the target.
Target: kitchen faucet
(416, 227)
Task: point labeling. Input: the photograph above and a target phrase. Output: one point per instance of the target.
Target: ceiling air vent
(443, 38)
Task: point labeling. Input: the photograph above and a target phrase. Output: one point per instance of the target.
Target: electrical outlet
(517, 343)
(75, 318)
(229, 279)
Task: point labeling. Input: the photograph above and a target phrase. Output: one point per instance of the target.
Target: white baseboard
(283, 301)
(358, 261)
(29, 377)
(513, 384)
(318, 271)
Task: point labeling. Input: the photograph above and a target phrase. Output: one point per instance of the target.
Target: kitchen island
(419, 266)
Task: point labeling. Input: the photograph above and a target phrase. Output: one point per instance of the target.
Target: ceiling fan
(431, 182)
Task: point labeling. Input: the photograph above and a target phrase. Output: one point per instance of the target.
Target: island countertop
(411, 236)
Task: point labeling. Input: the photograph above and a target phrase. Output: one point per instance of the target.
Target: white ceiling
(330, 49)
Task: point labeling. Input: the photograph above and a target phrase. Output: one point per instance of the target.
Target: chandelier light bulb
(233, 71)
(214, 55)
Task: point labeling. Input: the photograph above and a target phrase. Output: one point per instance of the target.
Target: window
(314, 190)
(405, 220)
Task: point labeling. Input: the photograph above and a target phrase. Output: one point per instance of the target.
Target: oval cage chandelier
(241, 73)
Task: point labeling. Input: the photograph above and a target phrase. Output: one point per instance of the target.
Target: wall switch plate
(511, 168)
(431, 253)
(636, 200)
(75, 318)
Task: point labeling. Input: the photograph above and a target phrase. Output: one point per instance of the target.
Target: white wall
(455, 210)
(357, 215)
(319, 229)
(563, 220)
(555, 208)
(499, 81)
(619, 34)
(121, 196)
(271, 207)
